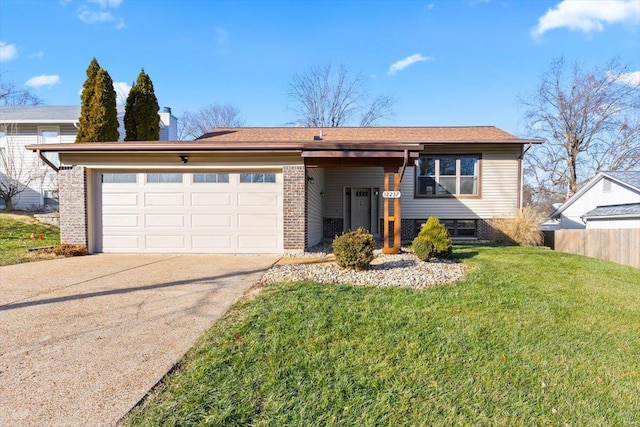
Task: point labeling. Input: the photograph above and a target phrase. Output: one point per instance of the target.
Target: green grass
(15, 238)
(530, 338)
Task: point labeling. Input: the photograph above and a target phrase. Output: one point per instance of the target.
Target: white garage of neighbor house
(275, 190)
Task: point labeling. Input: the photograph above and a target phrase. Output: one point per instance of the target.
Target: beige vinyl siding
(314, 205)
(336, 179)
(499, 190)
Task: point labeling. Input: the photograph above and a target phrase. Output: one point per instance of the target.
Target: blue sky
(456, 62)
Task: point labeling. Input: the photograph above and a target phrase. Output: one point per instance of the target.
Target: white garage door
(169, 212)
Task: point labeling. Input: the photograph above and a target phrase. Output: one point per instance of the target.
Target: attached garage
(188, 212)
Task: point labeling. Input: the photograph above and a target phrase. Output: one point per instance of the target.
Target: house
(43, 124)
(275, 190)
(608, 200)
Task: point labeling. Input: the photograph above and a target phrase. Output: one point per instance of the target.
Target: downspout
(404, 164)
(521, 177)
(47, 161)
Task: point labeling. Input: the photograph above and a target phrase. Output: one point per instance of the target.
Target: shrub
(437, 233)
(354, 249)
(422, 248)
(521, 228)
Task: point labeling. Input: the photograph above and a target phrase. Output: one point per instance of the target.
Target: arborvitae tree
(104, 115)
(141, 121)
(85, 129)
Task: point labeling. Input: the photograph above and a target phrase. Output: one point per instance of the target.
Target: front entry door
(361, 208)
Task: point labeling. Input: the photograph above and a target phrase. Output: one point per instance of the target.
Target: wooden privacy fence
(621, 245)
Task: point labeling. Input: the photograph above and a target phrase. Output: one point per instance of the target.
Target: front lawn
(531, 337)
(19, 233)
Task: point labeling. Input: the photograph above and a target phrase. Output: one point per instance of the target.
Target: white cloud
(8, 52)
(404, 63)
(38, 55)
(588, 15)
(107, 3)
(92, 16)
(122, 92)
(631, 79)
(43, 80)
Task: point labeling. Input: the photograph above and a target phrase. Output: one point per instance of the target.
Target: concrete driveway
(83, 339)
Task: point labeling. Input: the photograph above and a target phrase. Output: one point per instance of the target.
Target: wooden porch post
(391, 193)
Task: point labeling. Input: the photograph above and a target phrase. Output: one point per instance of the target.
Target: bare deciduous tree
(11, 95)
(329, 97)
(591, 121)
(18, 168)
(193, 125)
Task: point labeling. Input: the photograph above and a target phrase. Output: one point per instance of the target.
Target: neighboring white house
(609, 200)
(44, 124)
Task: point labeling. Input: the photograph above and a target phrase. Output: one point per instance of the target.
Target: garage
(189, 212)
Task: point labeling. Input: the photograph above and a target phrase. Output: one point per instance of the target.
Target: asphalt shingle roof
(363, 134)
(40, 114)
(631, 178)
(614, 210)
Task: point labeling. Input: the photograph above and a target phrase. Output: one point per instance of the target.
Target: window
(50, 135)
(456, 227)
(119, 178)
(162, 178)
(3, 143)
(606, 185)
(447, 176)
(257, 177)
(51, 197)
(210, 177)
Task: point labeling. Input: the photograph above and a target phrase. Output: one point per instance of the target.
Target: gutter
(47, 161)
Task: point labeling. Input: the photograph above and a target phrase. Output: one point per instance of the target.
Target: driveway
(83, 339)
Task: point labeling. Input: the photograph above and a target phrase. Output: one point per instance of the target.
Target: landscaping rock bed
(401, 270)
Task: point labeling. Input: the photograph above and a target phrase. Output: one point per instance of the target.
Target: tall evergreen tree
(85, 128)
(141, 121)
(104, 115)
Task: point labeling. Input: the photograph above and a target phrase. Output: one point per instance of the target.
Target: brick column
(72, 192)
(295, 216)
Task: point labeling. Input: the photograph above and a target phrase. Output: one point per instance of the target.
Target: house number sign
(391, 194)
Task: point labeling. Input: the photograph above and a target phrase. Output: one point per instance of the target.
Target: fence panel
(620, 245)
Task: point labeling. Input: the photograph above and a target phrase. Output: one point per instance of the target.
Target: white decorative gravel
(401, 270)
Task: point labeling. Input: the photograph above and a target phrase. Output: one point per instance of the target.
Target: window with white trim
(49, 135)
(4, 148)
(447, 176)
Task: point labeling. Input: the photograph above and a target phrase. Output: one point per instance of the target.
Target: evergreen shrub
(437, 233)
(354, 249)
(422, 248)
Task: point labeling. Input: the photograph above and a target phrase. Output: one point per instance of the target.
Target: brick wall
(295, 227)
(72, 184)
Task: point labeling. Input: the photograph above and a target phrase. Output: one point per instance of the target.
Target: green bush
(438, 235)
(354, 249)
(422, 248)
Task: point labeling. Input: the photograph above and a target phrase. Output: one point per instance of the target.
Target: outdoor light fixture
(184, 159)
(321, 193)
